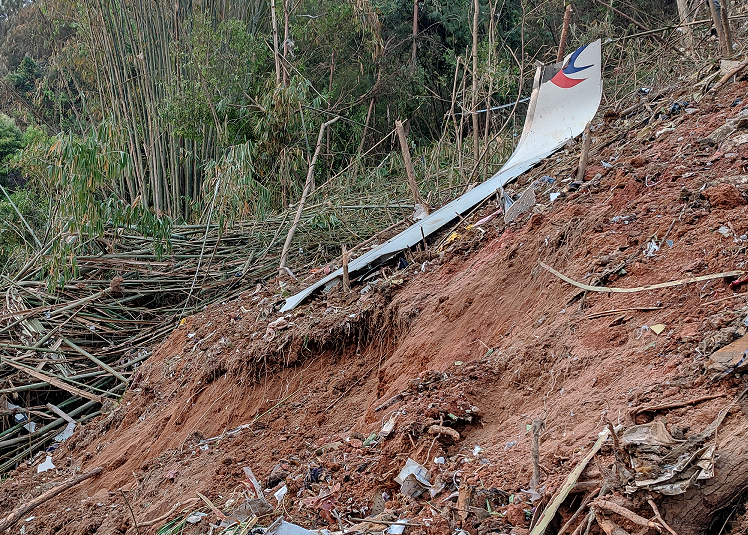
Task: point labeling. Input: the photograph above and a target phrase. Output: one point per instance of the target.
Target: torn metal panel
(565, 97)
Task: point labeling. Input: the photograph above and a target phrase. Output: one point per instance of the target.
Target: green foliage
(80, 176)
(16, 243)
(25, 76)
(247, 174)
(232, 66)
(11, 138)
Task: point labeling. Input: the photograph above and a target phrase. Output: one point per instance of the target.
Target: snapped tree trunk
(692, 513)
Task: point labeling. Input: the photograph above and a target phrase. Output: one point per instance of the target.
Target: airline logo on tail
(562, 78)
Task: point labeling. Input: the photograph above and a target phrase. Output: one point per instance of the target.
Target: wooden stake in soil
(412, 184)
(564, 35)
(17, 514)
(346, 277)
(584, 156)
(538, 424)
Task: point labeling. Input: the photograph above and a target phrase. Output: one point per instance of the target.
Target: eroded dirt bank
(474, 335)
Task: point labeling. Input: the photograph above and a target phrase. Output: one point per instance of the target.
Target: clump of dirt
(725, 196)
(447, 362)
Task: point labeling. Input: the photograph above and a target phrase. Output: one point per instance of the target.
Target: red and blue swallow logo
(562, 79)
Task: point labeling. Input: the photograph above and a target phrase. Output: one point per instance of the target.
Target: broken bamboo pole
(18, 513)
(669, 284)
(625, 513)
(584, 156)
(346, 276)
(96, 361)
(412, 184)
(726, 27)
(305, 193)
(717, 20)
(550, 511)
(564, 35)
(54, 381)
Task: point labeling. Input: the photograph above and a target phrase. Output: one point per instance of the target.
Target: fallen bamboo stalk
(723, 81)
(659, 518)
(18, 513)
(95, 360)
(679, 282)
(610, 527)
(578, 512)
(171, 511)
(626, 513)
(305, 193)
(54, 381)
(550, 511)
(675, 405)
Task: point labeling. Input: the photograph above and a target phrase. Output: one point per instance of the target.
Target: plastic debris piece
(657, 329)
(46, 465)
(625, 219)
(388, 427)
(651, 248)
(19, 417)
(399, 528)
(65, 433)
(651, 434)
(413, 479)
(725, 231)
(555, 195)
(281, 527)
(281, 493)
(419, 212)
(525, 203)
(196, 517)
(477, 450)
